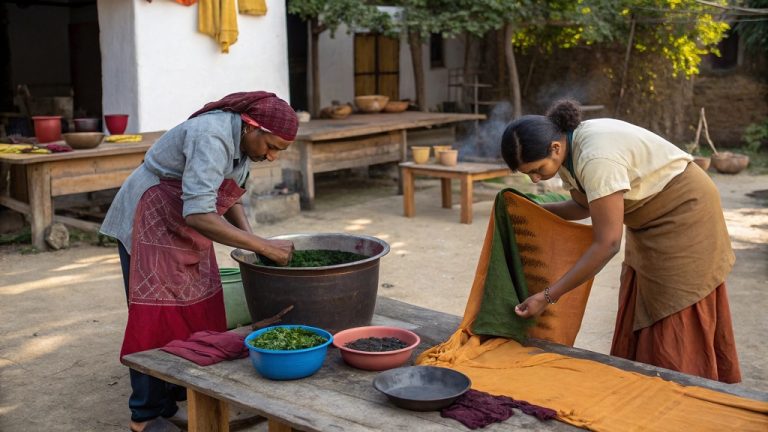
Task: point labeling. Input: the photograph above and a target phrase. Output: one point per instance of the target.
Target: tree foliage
(330, 14)
(754, 33)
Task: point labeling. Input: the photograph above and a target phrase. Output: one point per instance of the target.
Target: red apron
(174, 288)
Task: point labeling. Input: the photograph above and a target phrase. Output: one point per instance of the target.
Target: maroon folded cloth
(476, 409)
(208, 347)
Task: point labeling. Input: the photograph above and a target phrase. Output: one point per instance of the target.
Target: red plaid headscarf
(260, 109)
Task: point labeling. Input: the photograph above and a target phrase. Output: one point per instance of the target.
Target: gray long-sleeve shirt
(202, 152)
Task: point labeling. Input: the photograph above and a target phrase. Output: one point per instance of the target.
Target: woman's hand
(279, 251)
(532, 306)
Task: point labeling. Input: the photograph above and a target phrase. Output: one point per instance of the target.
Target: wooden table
(341, 398)
(466, 172)
(37, 178)
(356, 141)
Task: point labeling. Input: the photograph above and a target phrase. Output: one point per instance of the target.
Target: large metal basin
(333, 298)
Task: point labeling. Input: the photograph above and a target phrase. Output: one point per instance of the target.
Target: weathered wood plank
(40, 203)
(77, 223)
(88, 183)
(367, 124)
(206, 414)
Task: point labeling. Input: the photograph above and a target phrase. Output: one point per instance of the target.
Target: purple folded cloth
(208, 347)
(476, 409)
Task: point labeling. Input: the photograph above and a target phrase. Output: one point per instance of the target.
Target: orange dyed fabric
(584, 393)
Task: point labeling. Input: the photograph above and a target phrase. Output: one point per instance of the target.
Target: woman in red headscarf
(166, 216)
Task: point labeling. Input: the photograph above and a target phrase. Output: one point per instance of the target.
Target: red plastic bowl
(375, 361)
(47, 128)
(116, 123)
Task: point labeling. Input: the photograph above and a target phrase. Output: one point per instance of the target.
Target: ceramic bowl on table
(396, 106)
(375, 360)
(288, 364)
(422, 388)
(116, 123)
(83, 140)
(87, 125)
(371, 103)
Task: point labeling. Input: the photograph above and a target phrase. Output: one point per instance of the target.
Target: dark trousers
(150, 397)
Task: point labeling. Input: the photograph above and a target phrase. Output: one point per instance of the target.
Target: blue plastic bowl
(288, 364)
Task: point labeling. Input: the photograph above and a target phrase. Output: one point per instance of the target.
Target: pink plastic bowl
(375, 361)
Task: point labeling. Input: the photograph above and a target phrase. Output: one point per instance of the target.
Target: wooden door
(377, 65)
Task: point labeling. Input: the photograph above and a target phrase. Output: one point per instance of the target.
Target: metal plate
(422, 388)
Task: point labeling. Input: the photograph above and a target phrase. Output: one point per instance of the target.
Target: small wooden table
(341, 398)
(37, 178)
(357, 141)
(466, 172)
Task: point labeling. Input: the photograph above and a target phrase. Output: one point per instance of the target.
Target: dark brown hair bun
(565, 114)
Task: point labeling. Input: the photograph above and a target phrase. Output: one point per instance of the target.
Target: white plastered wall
(159, 69)
(337, 69)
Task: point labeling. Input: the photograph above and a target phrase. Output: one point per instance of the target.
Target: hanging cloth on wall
(218, 19)
(252, 7)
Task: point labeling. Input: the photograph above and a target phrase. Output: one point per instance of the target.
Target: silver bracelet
(547, 297)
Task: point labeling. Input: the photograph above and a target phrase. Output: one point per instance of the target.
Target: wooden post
(445, 189)
(307, 175)
(408, 200)
(276, 426)
(40, 202)
(403, 157)
(466, 198)
(206, 414)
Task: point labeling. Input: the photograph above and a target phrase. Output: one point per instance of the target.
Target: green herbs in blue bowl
(288, 352)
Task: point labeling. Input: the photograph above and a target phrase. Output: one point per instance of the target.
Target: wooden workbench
(465, 172)
(38, 178)
(341, 398)
(356, 141)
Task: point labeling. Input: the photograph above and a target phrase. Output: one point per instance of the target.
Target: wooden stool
(466, 172)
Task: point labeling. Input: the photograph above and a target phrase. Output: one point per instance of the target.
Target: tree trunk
(471, 61)
(414, 40)
(514, 79)
(314, 31)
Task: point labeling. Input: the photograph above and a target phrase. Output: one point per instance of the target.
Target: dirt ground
(63, 313)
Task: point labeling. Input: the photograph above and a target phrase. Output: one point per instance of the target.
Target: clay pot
(420, 154)
(87, 125)
(396, 106)
(47, 128)
(371, 103)
(336, 112)
(729, 163)
(116, 123)
(702, 161)
(439, 148)
(449, 157)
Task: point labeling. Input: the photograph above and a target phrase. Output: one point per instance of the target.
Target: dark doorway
(298, 53)
(54, 61)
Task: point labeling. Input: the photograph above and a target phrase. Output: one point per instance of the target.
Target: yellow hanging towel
(218, 19)
(252, 7)
(584, 393)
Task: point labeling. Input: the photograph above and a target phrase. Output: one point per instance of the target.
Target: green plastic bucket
(234, 298)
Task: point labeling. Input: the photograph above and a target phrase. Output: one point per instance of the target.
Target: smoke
(484, 143)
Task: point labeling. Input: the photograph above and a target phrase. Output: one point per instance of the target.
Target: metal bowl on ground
(422, 388)
(375, 360)
(334, 297)
(83, 140)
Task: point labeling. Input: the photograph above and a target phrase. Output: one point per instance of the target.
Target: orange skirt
(698, 340)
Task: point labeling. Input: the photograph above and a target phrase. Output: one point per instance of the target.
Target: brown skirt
(697, 340)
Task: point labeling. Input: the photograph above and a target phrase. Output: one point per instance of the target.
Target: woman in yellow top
(673, 307)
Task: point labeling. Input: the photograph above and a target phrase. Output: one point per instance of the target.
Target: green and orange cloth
(584, 393)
